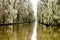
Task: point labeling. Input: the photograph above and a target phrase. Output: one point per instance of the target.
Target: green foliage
(16, 10)
(49, 12)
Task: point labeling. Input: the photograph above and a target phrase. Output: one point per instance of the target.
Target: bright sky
(34, 3)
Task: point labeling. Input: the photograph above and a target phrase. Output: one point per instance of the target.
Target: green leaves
(49, 12)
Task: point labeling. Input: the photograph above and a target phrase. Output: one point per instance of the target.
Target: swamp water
(24, 32)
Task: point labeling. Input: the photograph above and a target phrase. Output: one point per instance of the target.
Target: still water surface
(24, 32)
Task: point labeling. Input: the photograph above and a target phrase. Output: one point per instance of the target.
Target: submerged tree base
(50, 24)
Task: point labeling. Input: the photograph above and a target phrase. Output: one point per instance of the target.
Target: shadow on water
(16, 32)
(48, 33)
(24, 32)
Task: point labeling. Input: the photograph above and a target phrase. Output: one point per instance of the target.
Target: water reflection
(24, 32)
(17, 32)
(48, 33)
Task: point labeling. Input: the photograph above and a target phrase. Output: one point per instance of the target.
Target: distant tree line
(49, 12)
(12, 11)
